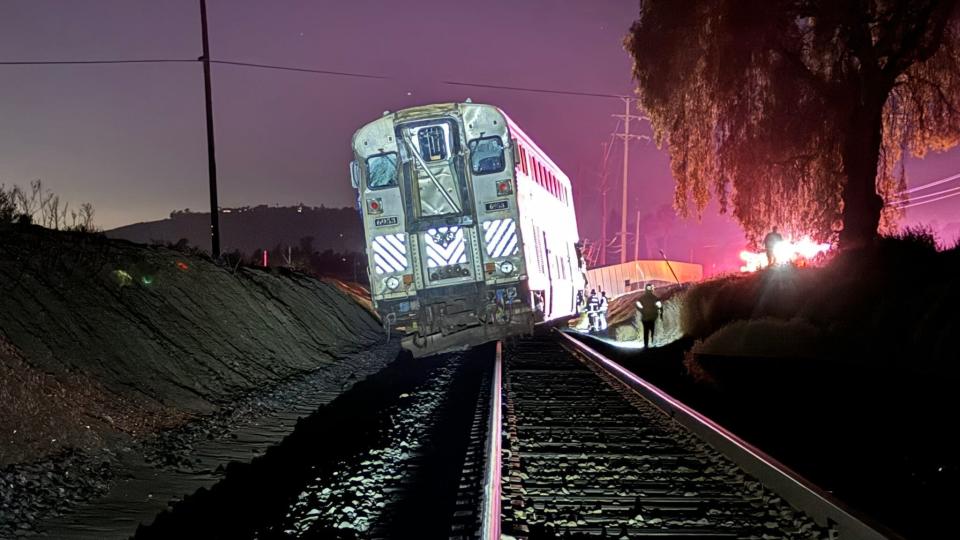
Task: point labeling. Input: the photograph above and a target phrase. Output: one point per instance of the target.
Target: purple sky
(130, 138)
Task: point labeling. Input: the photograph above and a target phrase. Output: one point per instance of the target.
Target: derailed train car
(470, 228)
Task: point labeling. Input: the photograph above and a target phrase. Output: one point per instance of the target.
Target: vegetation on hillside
(43, 207)
(893, 304)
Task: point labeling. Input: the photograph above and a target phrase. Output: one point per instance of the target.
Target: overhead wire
(88, 62)
(926, 196)
(928, 185)
(299, 69)
(911, 205)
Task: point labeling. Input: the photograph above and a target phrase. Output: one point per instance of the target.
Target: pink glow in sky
(130, 138)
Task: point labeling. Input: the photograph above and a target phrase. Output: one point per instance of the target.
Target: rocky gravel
(32, 492)
(353, 497)
(383, 459)
(173, 447)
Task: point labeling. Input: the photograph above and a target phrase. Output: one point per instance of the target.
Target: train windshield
(382, 171)
(486, 155)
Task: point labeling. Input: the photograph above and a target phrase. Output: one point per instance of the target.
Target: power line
(299, 69)
(931, 184)
(911, 205)
(536, 90)
(87, 62)
(927, 196)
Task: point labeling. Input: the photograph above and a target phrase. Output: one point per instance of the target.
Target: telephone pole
(211, 155)
(603, 191)
(626, 136)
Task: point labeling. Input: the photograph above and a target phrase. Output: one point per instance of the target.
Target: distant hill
(254, 228)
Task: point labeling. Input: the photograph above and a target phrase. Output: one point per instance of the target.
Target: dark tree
(798, 112)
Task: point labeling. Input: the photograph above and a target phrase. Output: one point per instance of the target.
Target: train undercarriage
(454, 323)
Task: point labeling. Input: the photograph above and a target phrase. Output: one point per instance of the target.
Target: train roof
(433, 109)
(515, 129)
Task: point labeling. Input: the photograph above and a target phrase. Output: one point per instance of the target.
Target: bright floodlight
(783, 252)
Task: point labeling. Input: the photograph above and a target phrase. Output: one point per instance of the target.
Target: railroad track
(591, 451)
(555, 441)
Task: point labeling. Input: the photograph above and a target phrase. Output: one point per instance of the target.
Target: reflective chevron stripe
(500, 237)
(390, 253)
(445, 246)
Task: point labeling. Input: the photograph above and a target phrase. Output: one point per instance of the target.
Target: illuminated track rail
(590, 450)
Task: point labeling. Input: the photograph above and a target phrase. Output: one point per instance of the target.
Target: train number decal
(384, 221)
(496, 205)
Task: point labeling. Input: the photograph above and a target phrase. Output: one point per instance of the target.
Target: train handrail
(823, 507)
(490, 516)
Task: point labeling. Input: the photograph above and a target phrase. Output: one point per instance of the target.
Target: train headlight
(392, 283)
(506, 267)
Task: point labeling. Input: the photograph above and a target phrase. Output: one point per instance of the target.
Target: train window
(433, 143)
(382, 171)
(486, 155)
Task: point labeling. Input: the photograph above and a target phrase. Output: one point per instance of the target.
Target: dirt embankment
(892, 306)
(102, 340)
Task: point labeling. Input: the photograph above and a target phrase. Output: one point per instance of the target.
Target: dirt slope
(100, 336)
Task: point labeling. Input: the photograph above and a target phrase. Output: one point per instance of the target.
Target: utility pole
(211, 155)
(636, 238)
(626, 136)
(603, 218)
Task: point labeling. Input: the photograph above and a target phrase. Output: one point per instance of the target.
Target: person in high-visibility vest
(593, 310)
(602, 312)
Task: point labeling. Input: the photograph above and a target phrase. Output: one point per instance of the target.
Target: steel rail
(802, 494)
(490, 517)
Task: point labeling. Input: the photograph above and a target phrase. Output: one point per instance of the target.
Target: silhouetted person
(770, 242)
(650, 308)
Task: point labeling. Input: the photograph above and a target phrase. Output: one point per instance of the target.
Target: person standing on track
(602, 315)
(593, 310)
(650, 309)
